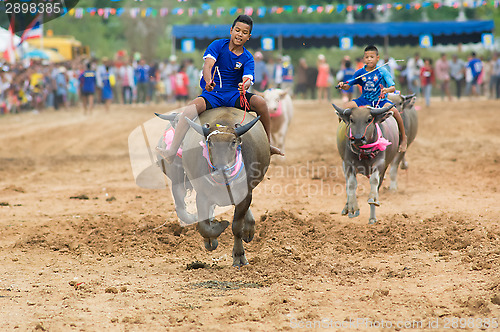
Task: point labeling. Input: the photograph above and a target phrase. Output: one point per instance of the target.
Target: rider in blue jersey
(227, 71)
(375, 84)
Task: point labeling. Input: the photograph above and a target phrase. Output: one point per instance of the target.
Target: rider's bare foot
(275, 150)
(166, 154)
(403, 146)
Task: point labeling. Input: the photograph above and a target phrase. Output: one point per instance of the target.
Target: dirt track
(112, 262)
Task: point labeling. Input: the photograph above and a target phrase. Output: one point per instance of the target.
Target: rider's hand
(210, 86)
(383, 92)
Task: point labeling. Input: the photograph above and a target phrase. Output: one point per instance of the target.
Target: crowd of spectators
(40, 85)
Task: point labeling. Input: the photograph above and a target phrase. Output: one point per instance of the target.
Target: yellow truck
(67, 46)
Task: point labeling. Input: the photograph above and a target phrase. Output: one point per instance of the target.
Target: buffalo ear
(382, 117)
(284, 92)
(410, 101)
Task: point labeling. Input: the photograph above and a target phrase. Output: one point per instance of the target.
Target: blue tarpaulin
(329, 30)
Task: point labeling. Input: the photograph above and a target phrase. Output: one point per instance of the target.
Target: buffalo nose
(358, 139)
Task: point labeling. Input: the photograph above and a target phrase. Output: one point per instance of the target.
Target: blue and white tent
(299, 35)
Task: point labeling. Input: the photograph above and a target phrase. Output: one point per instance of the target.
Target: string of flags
(261, 11)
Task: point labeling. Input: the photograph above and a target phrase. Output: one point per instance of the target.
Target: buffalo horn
(202, 130)
(377, 111)
(338, 109)
(342, 111)
(405, 98)
(169, 117)
(243, 129)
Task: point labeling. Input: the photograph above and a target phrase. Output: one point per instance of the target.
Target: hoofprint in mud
(82, 264)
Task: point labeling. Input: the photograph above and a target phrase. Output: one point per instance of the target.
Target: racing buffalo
(367, 141)
(406, 105)
(225, 157)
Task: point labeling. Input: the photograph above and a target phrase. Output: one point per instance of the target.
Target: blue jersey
(347, 75)
(476, 67)
(232, 68)
(373, 82)
(88, 81)
(141, 74)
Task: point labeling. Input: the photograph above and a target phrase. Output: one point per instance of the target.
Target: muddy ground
(83, 248)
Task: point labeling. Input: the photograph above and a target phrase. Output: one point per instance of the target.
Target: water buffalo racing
(224, 160)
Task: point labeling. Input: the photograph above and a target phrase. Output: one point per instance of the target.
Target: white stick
(353, 79)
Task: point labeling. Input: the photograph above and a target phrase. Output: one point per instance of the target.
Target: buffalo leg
(351, 207)
(249, 227)
(240, 216)
(208, 229)
(404, 163)
(175, 173)
(373, 197)
(179, 193)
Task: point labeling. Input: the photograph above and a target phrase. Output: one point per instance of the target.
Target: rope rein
(243, 99)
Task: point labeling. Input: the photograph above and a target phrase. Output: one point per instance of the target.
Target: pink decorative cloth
(278, 112)
(380, 144)
(168, 137)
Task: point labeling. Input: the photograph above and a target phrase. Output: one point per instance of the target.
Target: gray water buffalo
(175, 171)
(406, 105)
(280, 108)
(367, 141)
(225, 161)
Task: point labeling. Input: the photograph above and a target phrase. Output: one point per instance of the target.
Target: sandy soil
(119, 259)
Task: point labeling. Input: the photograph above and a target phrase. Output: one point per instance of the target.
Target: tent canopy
(400, 31)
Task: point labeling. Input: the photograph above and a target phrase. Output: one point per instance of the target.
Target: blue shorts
(361, 101)
(214, 99)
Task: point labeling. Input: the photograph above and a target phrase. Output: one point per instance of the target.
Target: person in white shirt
(413, 73)
(457, 73)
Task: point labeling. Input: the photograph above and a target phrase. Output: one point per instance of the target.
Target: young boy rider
(376, 84)
(227, 72)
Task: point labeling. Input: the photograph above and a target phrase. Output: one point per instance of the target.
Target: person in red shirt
(426, 80)
(181, 85)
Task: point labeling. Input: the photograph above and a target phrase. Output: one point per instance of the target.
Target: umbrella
(36, 54)
(44, 54)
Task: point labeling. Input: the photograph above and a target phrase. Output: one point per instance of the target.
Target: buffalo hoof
(240, 260)
(248, 234)
(404, 165)
(211, 244)
(393, 187)
(371, 201)
(372, 221)
(353, 214)
(344, 211)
